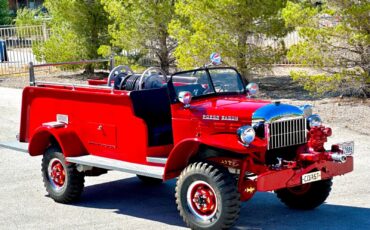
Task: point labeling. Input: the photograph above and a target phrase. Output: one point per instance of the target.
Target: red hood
(228, 107)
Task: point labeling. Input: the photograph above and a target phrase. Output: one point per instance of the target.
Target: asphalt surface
(120, 201)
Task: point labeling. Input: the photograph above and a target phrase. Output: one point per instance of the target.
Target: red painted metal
(98, 81)
(57, 173)
(102, 122)
(203, 199)
(247, 189)
(123, 136)
(180, 156)
(68, 141)
(276, 179)
(317, 136)
(228, 162)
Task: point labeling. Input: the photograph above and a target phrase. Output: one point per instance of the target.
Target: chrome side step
(106, 163)
(15, 145)
(158, 160)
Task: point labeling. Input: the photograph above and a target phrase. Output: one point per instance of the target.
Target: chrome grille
(287, 132)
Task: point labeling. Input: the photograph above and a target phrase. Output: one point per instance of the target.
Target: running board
(158, 160)
(123, 166)
(15, 145)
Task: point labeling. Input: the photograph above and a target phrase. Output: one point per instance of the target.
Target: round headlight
(314, 120)
(306, 109)
(246, 134)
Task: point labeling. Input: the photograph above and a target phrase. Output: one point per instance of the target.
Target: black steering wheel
(116, 71)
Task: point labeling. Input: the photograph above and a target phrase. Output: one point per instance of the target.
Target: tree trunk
(241, 61)
(89, 69)
(164, 54)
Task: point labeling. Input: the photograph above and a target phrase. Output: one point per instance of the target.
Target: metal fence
(289, 40)
(16, 48)
(16, 45)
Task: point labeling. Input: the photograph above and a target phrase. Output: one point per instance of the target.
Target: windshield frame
(173, 94)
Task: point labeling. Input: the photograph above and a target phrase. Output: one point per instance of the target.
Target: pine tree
(5, 18)
(335, 39)
(228, 27)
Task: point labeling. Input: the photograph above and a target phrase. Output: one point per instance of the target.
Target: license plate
(311, 177)
(347, 147)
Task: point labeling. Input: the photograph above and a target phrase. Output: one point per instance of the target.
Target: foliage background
(335, 39)
(334, 36)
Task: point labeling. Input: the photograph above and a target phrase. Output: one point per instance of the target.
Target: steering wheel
(116, 71)
(149, 72)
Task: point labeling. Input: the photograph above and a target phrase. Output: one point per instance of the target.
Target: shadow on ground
(281, 87)
(132, 198)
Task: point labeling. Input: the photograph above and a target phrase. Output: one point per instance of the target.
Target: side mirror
(252, 89)
(185, 98)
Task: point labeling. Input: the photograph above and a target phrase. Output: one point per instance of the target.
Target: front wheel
(207, 197)
(306, 196)
(62, 181)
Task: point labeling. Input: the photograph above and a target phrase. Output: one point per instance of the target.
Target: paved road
(119, 201)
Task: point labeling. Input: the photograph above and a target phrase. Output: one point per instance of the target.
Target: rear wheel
(62, 181)
(207, 197)
(306, 196)
(149, 180)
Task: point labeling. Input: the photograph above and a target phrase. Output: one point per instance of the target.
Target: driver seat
(153, 106)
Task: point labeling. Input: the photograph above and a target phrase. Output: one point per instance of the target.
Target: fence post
(32, 74)
(44, 31)
(111, 62)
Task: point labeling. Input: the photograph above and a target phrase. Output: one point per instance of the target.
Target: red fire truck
(203, 126)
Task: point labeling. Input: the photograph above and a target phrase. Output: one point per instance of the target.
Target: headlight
(246, 134)
(314, 121)
(306, 109)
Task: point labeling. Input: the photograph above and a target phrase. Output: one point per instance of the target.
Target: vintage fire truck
(203, 126)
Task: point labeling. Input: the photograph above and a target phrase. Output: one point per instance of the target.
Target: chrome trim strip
(123, 166)
(158, 160)
(15, 145)
(287, 132)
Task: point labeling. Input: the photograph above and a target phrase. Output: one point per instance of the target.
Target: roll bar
(33, 66)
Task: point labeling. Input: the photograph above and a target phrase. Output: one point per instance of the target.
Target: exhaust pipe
(338, 157)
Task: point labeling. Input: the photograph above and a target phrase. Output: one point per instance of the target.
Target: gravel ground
(350, 113)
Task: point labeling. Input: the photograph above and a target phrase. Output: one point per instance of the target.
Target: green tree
(79, 28)
(5, 18)
(28, 17)
(231, 27)
(335, 38)
(140, 28)
(28, 22)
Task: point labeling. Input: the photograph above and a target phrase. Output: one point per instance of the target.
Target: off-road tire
(149, 180)
(225, 188)
(308, 198)
(74, 182)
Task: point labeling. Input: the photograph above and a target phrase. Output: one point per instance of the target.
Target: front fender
(186, 149)
(67, 139)
(180, 156)
(230, 142)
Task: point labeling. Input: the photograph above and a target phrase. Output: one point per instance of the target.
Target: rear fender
(67, 139)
